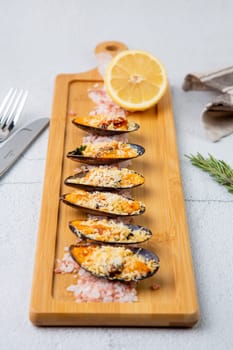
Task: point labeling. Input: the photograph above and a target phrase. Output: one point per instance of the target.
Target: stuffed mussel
(109, 231)
(103, 203)
(106, 152)
(115, 263)
(105, 125)
(104, 178)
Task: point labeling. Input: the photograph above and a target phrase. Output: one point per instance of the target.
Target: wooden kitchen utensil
(175, 303)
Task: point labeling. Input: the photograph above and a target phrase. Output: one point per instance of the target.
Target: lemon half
(135, 80)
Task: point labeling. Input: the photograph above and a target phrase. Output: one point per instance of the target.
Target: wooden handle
(111, 47)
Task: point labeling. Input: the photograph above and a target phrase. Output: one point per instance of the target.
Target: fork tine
(20, 106)
(5, 100)
(16, 110)
(6, 103)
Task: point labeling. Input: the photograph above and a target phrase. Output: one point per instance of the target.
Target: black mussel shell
(99, 211)
(82, 174)
(116, 271)
(133, 228)
(78, 157)
(102, 131)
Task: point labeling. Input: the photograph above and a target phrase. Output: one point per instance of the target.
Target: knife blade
(18, 142)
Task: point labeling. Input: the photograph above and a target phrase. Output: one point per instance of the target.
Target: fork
(10, 110)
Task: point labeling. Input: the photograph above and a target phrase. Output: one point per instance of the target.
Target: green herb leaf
(218, 169)
(79, 151)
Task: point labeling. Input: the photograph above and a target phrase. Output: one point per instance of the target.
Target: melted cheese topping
(112, 149)
(110, 231)
(107, 122)
(109, 177)
(113, 262)
(105, 201)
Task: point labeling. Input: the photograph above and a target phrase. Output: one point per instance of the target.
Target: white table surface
(40, 39)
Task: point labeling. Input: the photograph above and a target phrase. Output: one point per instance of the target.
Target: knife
(18, 142)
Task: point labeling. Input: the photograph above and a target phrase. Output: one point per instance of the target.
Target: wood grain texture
(175, 303)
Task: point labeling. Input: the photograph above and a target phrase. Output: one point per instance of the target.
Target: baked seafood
(109, 231)
(104, 178)
(115, 263)
(106, 152)
(104, 203)
(105, 125)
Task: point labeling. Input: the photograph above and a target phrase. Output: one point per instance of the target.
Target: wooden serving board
(175, 303)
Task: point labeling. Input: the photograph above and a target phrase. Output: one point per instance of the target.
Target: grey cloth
(217, 116)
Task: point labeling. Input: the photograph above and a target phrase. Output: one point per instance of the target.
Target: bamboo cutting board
(175, 303)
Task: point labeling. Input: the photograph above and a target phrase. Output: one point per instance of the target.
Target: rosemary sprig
(218, 169)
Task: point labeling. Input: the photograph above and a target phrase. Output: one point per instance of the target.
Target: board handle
(110, 47)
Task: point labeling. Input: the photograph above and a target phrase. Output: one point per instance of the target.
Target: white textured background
(40, 39)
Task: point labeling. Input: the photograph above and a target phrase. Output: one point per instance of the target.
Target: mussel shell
(146, 254)
(132, 228)
(102, 161)
(99, 211)
(103, 132)
(98, 188)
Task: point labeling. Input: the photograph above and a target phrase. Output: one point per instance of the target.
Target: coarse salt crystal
(155, 286)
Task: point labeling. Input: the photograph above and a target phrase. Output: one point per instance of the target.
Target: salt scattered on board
(93, 289)
(104, 104)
